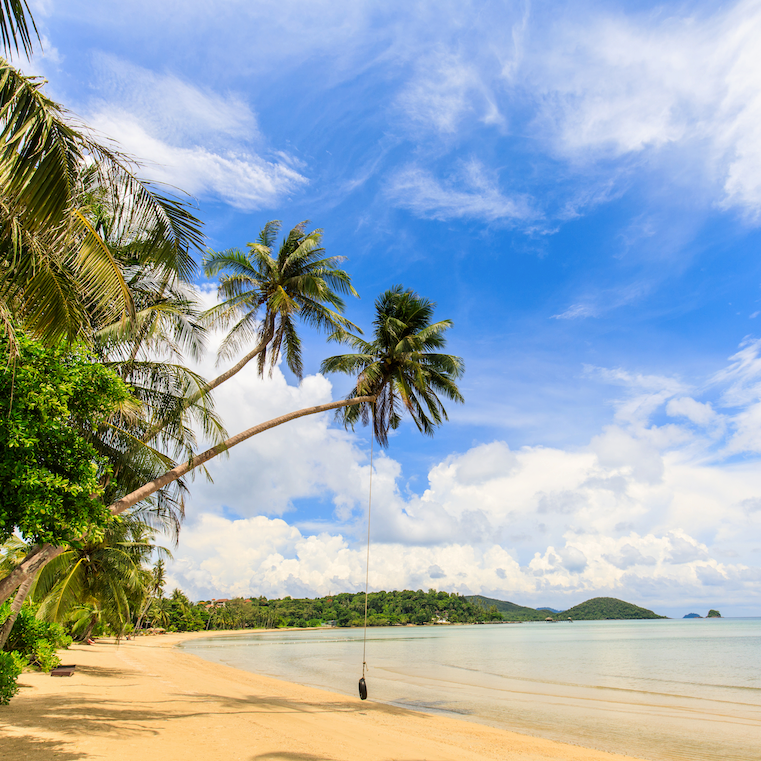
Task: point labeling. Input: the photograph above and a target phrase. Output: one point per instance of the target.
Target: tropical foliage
(51, 400)
(102, 581)
(35, 639)
(402, 367)
(14, 26)
(97, 404)
(343, 610)
(264, 294)
(59, 187)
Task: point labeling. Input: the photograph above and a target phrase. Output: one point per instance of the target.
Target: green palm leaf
(263, 295)
(397, 368)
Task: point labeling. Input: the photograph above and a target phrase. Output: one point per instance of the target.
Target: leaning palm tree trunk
(212, 384)
(18, 601)
(42, 554)
(179, 471)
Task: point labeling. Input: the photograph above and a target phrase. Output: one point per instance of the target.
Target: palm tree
(161, 612)
(58, 273)
(147, 353)
(107, 577)
(12, 553)
(154, 592)
(401, 367)
(264, 294)
(397, 368)
(14, 26)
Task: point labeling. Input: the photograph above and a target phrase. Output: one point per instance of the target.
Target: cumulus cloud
(641, 511)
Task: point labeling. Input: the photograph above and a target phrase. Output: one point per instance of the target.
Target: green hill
(509, 610)
(608, 608)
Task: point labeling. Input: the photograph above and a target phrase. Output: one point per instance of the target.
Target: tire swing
(362, 682)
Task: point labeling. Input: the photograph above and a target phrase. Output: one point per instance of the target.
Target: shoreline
(147, 697)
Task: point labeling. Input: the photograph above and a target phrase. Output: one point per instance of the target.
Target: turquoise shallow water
(684, 689)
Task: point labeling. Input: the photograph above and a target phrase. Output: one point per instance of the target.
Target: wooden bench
(63, 670)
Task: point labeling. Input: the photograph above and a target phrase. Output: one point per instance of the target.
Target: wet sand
(148, 699)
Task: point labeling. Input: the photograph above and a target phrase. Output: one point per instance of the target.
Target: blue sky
(577, 185)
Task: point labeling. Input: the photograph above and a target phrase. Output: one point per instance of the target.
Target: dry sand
(147, 699)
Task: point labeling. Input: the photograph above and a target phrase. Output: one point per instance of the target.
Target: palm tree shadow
(106, 673)
(34, 749)
(289, 757)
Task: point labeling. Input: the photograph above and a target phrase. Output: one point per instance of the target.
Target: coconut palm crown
(401, 366)
(264, 293)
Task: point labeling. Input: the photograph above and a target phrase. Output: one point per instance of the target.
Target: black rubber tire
(362, 689)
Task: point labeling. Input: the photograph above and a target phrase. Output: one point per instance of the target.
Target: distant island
(596, 609)
(607, 609)
(713, 614)
(693, 615)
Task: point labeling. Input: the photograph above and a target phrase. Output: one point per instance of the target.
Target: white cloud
(472, 193)
(202, 142)
(613, 84)
(443, 90)
(675, 93)
(698, 412)
(640, 512)
(577, 310)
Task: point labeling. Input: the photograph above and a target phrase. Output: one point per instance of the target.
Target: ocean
(665, 689)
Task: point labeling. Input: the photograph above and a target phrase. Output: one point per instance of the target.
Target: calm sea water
(685, 689)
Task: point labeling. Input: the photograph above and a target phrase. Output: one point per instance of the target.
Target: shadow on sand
(72, 717)
(32, 749)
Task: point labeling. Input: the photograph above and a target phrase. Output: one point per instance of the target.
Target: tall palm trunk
(18, 601)
(42, 554)
(179, 471)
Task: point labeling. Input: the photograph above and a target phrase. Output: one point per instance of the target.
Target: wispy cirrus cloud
(206, 143)
(470, 193)
(614, 84)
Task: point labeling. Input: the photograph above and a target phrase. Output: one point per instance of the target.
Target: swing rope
(367, 559)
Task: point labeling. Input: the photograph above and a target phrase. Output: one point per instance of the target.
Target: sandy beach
(149, 699)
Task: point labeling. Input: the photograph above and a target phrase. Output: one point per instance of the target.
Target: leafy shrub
(44, 656)
(27, 634)
(11, 665)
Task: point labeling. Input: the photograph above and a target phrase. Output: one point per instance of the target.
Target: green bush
(28, 632)
(44, 656)
(11, 665)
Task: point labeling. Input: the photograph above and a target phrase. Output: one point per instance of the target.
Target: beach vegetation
(263, 294)
(11, 666)
(346, 609)
(402, 367)
(51, 399)
(36, 640)
(103, 581)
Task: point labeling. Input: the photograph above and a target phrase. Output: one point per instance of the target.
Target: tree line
(345, 609)
(101, 417)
